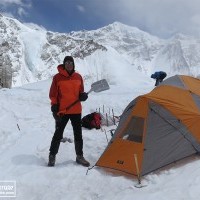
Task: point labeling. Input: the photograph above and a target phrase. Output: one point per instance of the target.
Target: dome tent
(157, 128)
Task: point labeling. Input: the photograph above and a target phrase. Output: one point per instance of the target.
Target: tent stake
(106, 135)
(107, 119)
(18, 127)
(113, 117)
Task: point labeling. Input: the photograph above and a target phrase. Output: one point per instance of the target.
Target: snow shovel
(97, 86)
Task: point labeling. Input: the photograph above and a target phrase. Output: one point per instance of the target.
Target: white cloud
(7, 14)
(81, 8)
(21, 12)
(7, 2)
(159, 17)
(18, 6)
(196, 19)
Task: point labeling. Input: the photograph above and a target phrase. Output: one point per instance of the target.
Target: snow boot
(81, 160)
(52, 160)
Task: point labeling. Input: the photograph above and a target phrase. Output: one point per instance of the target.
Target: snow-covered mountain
(179, 54)
(30, 53)
(137, 47)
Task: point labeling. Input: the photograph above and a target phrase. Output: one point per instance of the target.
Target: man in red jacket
(67, 87)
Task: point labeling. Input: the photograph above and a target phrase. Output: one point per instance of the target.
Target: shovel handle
(75, 102)
(71, 105)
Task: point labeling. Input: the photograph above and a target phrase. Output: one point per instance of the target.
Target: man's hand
(55, 108)
(83, 96)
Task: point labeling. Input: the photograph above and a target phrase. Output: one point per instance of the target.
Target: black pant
(58, 135)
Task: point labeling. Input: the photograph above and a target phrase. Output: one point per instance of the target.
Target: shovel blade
(100, 86)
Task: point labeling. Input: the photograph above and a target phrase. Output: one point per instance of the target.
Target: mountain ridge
(29, 53)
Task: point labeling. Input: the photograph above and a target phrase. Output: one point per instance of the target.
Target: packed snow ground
(27, 127)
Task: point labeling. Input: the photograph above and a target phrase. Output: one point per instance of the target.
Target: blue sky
(162, 18)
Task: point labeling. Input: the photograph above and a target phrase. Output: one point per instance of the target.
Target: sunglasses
(69, 63)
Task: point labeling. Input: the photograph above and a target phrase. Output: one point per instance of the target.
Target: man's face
(69, 66)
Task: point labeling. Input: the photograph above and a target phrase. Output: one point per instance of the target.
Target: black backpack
(92, 120)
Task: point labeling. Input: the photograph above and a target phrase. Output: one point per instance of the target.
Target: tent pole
(137, 168)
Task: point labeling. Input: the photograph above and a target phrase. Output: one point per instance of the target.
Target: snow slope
(24, 150)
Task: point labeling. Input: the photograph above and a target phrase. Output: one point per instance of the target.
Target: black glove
(83, 96)
(55, 108)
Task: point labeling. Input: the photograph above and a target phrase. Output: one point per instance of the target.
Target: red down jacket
(65, 89)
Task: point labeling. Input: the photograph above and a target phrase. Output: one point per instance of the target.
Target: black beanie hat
(70, 58)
